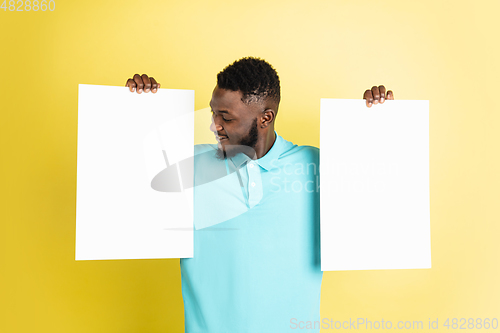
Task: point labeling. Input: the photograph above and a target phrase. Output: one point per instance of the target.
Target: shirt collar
(266, 160)
(240, 159)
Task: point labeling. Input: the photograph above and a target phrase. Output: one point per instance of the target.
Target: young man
(256, 264)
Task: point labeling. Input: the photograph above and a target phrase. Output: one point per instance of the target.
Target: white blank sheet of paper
(374, 166)
(124, 140)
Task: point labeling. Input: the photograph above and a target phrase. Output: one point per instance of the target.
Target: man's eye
(226, 119)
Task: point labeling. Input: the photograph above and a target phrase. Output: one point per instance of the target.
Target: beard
(246, 145)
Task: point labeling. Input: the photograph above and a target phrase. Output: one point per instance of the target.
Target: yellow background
(444, 51)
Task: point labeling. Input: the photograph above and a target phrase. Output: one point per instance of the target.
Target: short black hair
(254, 77)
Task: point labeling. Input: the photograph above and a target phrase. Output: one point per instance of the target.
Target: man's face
(234, 123)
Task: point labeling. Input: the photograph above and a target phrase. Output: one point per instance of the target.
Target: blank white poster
(375, 206)
(124, 141)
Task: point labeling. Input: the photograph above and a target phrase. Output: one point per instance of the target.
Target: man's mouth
(221, 137)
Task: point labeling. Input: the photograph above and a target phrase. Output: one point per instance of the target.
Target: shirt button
(250, 165)
(253, 184)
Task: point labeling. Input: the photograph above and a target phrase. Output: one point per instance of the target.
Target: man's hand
(376, 95)
(142, 83)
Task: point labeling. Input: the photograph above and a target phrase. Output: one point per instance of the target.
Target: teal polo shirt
(256, 264)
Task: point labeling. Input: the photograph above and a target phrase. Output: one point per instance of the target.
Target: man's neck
(265, 144)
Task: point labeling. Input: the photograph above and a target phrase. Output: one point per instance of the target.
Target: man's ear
(267, 118)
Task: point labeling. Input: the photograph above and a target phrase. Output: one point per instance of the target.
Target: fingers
(147, 83)
(369, 98)
(142, 83)
(381, 89)
(130, 84)
(154, 85)
(377, 95)
(139, 84)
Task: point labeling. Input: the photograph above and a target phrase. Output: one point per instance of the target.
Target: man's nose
(215, 127)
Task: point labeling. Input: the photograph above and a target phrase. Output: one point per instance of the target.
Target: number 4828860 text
(28, 5)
